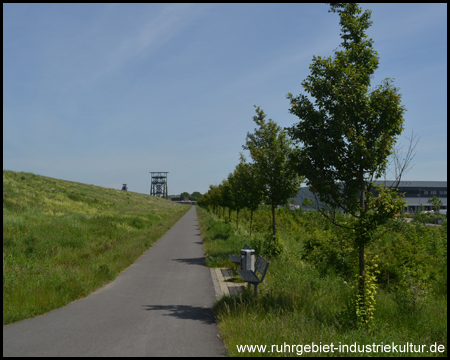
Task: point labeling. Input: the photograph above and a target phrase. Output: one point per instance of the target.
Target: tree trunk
(362, 271)
(251, 223)
(273, 222)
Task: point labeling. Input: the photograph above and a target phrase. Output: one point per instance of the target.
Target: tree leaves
(349, 131)
(270, 150)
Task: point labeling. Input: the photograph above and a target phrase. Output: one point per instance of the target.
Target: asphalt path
(160, 306)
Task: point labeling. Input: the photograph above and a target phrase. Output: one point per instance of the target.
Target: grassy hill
(62, 240)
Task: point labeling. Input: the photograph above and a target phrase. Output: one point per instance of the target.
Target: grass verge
(300, 304)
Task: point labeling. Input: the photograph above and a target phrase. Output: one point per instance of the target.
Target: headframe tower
(159, 184)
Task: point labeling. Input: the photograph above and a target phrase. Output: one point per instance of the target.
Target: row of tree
(193, 197)
(270, 178)
(340, 145)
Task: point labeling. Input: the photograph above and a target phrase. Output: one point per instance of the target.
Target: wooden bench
(251, 277)
(237, 258)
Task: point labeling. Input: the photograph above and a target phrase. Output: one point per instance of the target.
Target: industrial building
(415, 194)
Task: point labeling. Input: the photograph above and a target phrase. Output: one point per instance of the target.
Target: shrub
(323, 249)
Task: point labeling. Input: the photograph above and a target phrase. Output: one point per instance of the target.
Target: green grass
(62, 240)
(300, 303)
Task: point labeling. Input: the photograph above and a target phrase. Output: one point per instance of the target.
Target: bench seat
(235, 259)
(249, 276)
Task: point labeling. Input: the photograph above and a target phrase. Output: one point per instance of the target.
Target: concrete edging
(221, 286)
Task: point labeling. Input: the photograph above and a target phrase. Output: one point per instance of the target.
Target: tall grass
(301, 303)
(62, 239)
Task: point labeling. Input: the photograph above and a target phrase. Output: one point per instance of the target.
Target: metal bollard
(248, 259)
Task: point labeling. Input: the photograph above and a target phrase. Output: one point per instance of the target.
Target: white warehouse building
(415, 194)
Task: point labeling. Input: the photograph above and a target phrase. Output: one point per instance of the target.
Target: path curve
(159, 306)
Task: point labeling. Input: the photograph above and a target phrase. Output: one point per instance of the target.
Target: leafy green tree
(184, 195)
(270, 148)
(212, 199)
(203, 201)
(436, 204)
(308, 202)
(345, 137)
(195, 196)
(246, 189)
(252, 185)
(237, 192)
(226, 197)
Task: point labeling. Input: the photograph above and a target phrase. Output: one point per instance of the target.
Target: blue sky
(104, 94)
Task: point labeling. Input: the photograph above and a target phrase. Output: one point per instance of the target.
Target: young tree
(236, 192)
(270, 148)
(348, 133)
(226, 197)
(436, 204)
(210, 199)
(215, 198)
(204, 200)
(252, 186)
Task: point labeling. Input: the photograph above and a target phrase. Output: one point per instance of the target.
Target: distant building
(415, 194)
(184, 201)
(305, 193)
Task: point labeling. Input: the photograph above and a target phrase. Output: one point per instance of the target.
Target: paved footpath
(160, 306)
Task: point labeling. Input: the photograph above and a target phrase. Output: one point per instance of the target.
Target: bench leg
(256, 289)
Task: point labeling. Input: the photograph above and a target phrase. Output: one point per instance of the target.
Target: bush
(271, 248)
(327, 251)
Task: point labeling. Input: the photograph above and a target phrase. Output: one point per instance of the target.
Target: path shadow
(192, 261)
(185, 312)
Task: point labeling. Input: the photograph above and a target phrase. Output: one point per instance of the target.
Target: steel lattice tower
(159, 184)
